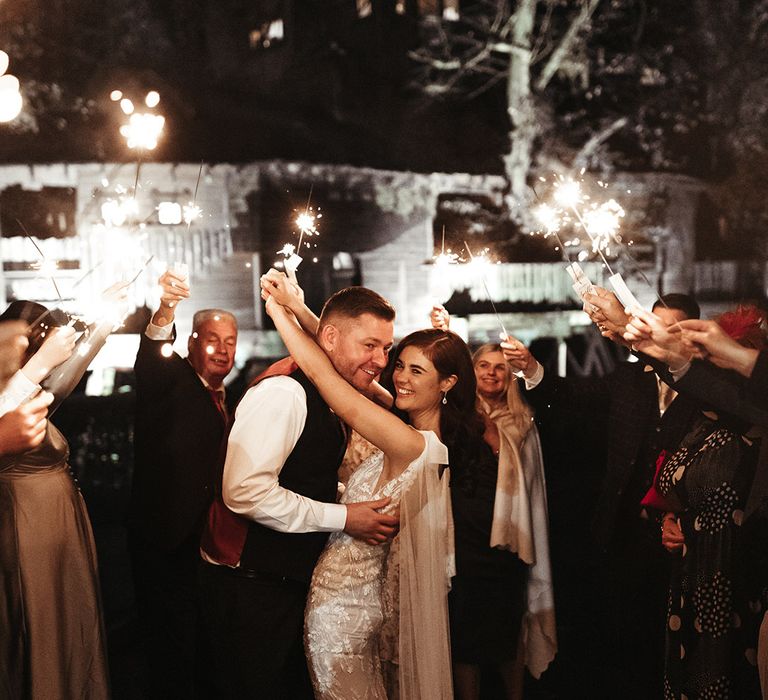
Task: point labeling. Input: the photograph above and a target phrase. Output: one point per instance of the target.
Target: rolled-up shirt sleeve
(268, 423)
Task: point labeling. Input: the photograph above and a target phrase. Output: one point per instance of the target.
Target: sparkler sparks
(480, 265)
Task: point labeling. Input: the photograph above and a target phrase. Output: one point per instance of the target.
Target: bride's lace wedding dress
(344, 610)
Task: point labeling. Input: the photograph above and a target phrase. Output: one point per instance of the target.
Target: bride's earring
(445, 398)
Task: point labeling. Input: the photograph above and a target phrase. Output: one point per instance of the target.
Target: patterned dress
(345, 610)
(714, 606)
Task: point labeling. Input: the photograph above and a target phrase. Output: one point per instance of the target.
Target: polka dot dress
(714, 603)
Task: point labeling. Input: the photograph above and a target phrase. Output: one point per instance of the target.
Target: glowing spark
(307, 223)
(445, 259)
(166, 350)
(549, 217)
(209, 350)
(480, 267)
(127, 106)
(116, 95)
(143, 130)
(287, 250)
(152, 99)
(568, 194)
(191, 212)
(602, 224)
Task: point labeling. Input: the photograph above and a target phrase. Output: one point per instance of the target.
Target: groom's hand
(365, 523)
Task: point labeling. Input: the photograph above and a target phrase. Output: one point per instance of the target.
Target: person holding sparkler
(502, 522)
(633, 416)
(52, 640)
(181, 423)
(713, 488)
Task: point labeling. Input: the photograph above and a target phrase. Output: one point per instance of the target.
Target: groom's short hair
(353, 302)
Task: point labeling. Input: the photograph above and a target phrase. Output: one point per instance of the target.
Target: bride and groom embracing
(273, 571)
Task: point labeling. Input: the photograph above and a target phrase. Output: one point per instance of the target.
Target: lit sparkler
(445, 258)
(307, 223)
(46, 267)
(480, 265)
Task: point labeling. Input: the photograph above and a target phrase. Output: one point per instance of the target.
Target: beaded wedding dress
(345, 614)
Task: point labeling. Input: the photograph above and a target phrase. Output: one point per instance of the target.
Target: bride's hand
(278, 285)
(274, 308)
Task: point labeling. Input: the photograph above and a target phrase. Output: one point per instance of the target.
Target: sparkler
(445, 258)
(191, 210)
(478, 266)
(307, 222)
(46, 267)
(601, 223)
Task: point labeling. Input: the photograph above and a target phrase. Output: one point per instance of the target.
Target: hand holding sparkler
(439, 317)
(649, 334)
(607, 312)
(518, 357)
(706, 340)
(58, 346)
(283, 290)
(286, 291)
(24, 427)
(174, 287)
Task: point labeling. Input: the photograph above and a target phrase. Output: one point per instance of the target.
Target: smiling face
(418, 385)
(491, 375)
(358, 348)
(212, 349)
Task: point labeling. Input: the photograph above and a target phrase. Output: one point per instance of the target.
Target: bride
(434, 383)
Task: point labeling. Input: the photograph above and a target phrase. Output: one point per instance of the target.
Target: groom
(280, 478)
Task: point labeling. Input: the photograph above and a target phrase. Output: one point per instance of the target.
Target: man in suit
(636, 416)
(179, 430)
(279, 488)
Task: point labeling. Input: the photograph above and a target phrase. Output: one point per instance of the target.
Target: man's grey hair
(204, 315)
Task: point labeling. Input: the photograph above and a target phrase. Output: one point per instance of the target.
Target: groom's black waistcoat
(310, 470)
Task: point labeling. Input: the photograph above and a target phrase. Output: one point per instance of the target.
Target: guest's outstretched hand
(439, 317)
(648, 333)
(174, 287)
(518, 356)
(24, 428)
(707, 340)
(606, 312)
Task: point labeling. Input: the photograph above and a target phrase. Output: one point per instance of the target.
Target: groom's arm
(268, 423)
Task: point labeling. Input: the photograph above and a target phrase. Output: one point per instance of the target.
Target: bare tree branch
(566, 44)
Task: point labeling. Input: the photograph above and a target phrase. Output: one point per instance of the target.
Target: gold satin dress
(52, 640)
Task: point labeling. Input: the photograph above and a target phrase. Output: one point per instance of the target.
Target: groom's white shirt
(268, 423)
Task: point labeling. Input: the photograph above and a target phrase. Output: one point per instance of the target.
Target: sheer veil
(427, 563)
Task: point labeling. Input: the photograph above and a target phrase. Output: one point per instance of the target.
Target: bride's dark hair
(461, 425)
